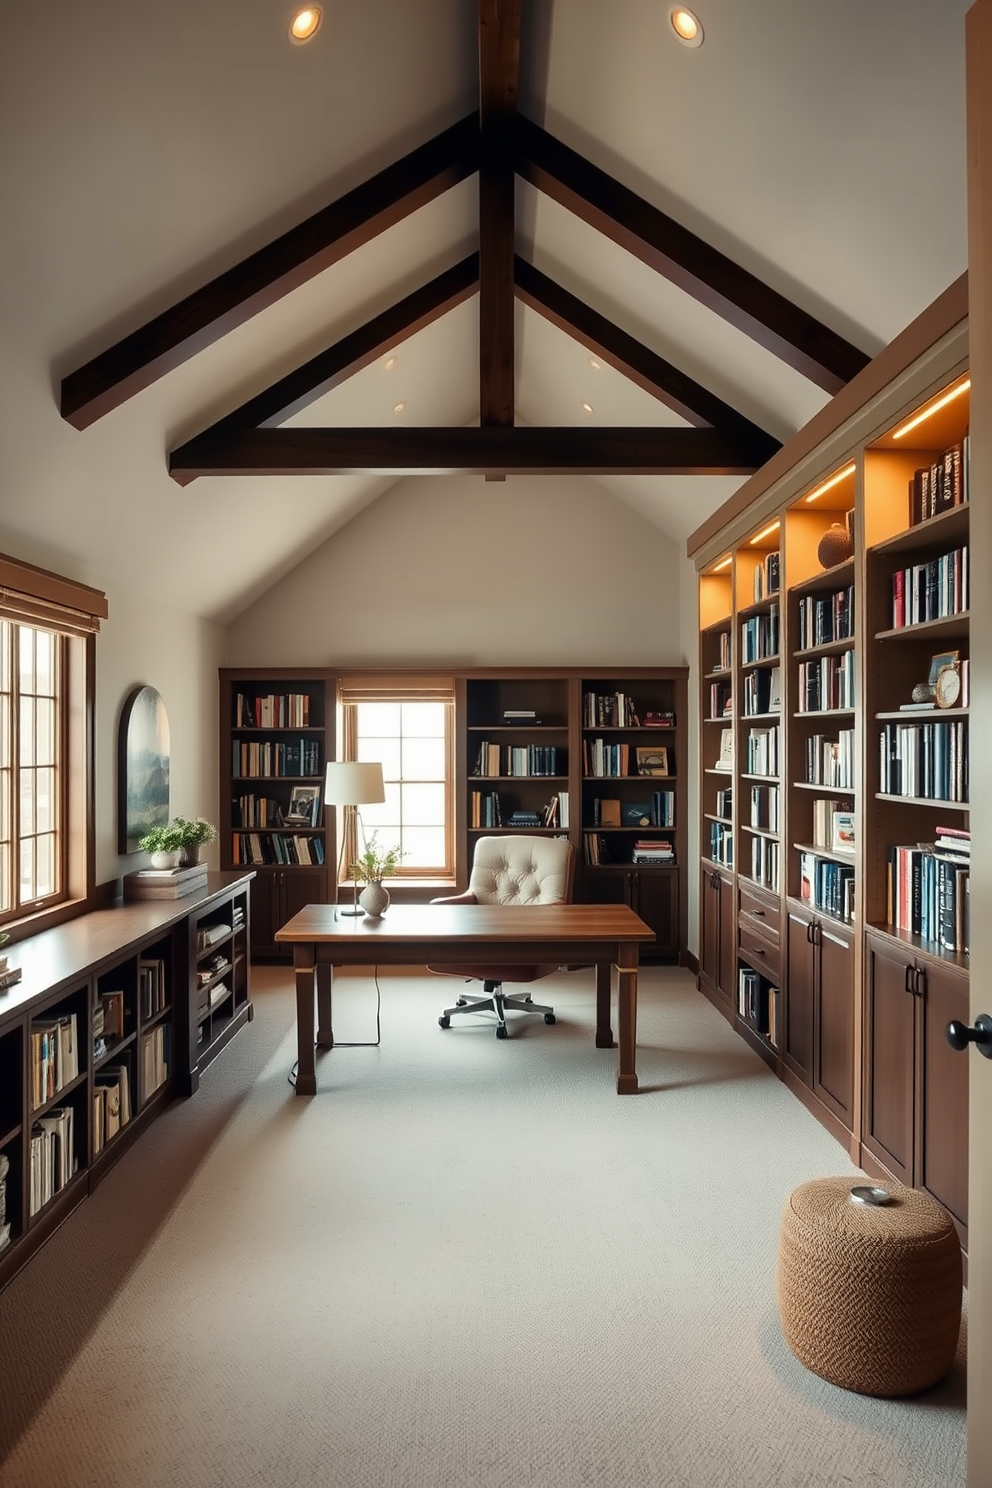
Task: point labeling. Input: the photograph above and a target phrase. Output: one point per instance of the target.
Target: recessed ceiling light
(594, 364)
(586, 407)
(398, 407)
(390, 363)
(686, 25)
(305, 24)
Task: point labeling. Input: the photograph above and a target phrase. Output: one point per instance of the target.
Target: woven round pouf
(869, 1293)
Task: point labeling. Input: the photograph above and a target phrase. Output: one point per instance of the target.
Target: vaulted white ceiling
(144, 150)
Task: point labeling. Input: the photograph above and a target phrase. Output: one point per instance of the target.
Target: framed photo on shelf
(938, 664)
(304, 804)
(652, 760)
(842, 832)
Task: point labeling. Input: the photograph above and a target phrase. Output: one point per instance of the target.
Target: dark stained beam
(637, 362)
(265, 276)
(708, 275)
(499, 70)
(303, 386)
(513, 451)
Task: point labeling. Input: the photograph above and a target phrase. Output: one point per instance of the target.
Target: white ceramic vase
(163, 859)
(374, 899)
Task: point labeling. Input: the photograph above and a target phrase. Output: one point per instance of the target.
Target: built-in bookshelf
(277, 734)
(849, 963)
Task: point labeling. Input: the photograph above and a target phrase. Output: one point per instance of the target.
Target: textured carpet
(464, 1264)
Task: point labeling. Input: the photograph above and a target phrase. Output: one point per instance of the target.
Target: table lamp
(352, 783)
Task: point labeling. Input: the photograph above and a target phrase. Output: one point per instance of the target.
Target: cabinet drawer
(759, 914)
(758, 950)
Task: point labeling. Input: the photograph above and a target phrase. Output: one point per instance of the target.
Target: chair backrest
(522, 870)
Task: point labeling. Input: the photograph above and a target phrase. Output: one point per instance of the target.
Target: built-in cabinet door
(718, 938)
(797, 1044)
(276, 895)
(709, 928)
(833, 1079)
(943, 1159)
(890, 1056)
(655, 898)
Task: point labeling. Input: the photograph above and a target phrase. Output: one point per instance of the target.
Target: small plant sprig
(375, 863)
(195, 831)
(161, 839)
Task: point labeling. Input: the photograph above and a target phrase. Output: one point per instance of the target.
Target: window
(47, 654)
(409, 729)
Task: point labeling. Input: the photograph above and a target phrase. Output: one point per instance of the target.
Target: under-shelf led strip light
(766, 531)
(724, 563)
(834, 480)
(932, 408)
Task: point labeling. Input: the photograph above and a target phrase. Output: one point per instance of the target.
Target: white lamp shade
(352, 783)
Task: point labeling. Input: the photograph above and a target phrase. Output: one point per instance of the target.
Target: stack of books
(164, 883)
(652, 850)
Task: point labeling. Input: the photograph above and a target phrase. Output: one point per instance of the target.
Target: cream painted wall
(458, 571)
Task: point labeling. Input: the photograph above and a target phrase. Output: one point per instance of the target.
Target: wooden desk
(609, 935)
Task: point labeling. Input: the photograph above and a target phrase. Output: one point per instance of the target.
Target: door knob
(959, 1035)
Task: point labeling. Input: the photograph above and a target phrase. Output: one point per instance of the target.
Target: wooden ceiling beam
(328, 369)
(771, 320)
(474, 451)
(200, 319)
(635, 361)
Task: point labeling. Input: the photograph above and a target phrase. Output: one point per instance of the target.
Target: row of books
(760, 636)
(722, 844)
(766, 807)
(723, 652)
(830, 762)
(833, 826)
(721, 700)
(52, 1156)
(658, 811)
(302, 809)
(826, 683)
(609, 710)
(598, 848)
(762, 751)
(768, 576)
(253, 759)
(54, 1056)
(4, 1221)
(929, 894)
(519, 760)
(758, 1003)
(762, 691)
(827, 886)
(825, 617)
(928, 760)
(725, 802)
(930, 591)
(942, 484)
(272, 710)
(765, 862)
(111, 1103)
(153, 992)
(276, 847)
(156, 1053)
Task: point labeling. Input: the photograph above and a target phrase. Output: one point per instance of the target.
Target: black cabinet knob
(959, 1035)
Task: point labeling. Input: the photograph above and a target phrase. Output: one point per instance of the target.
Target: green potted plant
(194, 833)
(370, 868)
(162, 844)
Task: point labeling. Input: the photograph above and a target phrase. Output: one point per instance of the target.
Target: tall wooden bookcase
(276, 736)
(832, 932)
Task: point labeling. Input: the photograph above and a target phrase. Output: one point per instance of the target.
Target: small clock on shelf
(947, 687)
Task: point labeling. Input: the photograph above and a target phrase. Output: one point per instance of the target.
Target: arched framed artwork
(142, 767)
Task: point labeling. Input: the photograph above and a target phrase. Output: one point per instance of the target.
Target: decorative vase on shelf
(189, 856)
(163, 859)
(835, 545)
(374, 899)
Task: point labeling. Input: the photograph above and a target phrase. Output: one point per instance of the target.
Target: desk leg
(604, 983)
(325, 981)
(627, 959)
(306, 1069)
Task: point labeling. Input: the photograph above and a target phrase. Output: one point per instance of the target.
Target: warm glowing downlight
(305, 23)
(686, 26)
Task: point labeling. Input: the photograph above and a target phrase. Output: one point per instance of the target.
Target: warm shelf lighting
(833, 480)
(724, 563)
(398, 407)
(766, 531)
(686, 26)
(390, 363)
(587, 408)
(932, 408)
(594, 364)
(305, 24)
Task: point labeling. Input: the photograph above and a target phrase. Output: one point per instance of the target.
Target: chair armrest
(467, 898)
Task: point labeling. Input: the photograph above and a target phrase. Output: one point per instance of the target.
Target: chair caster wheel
(502, 1033)
(549, 1017)
(443, 1022)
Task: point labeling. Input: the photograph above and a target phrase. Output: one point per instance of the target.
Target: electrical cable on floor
(368, 1044)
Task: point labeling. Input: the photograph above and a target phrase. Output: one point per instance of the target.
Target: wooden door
(890, 1062)
(728, 940)
(942, 1125)
(799, 992)
(833, 1070)
(655, 897)
(709, 928)
(263, 915)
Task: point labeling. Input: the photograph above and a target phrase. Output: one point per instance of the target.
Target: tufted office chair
(510, 870)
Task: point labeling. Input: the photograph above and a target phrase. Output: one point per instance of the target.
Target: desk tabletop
(467, 923)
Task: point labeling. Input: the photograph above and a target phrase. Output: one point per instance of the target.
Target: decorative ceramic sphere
(835, 545)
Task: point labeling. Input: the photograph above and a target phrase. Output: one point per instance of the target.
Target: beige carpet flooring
(464, 1264)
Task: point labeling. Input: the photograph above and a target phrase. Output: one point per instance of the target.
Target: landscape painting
(143, 767)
